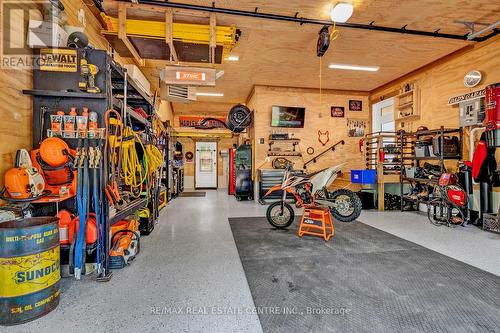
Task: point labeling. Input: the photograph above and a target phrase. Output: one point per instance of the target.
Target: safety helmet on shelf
(54, 151)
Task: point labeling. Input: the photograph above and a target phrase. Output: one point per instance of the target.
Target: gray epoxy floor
(468, 244)
(190, 264)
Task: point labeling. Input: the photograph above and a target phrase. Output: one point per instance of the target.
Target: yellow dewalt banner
(58, 60)
(28, 274)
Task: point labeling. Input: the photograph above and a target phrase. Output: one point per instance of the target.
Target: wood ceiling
(283, 53)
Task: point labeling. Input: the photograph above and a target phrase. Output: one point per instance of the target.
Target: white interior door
(383, 116)
(206, 165)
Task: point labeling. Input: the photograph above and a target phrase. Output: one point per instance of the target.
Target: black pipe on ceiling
(303, 20)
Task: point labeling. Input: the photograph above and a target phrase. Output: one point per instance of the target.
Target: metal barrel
(29, 269)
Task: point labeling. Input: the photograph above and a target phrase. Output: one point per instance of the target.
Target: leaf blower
(68, 226)
(23, 183)
(125, 243)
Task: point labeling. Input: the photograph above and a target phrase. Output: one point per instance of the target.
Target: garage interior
(250, 166)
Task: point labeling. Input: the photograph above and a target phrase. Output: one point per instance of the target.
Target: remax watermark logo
(15, 20)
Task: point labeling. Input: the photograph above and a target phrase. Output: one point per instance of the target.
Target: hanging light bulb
(341, 12)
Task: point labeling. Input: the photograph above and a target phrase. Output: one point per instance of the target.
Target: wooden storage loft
(140, 39)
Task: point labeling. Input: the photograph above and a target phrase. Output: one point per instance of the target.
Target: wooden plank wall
(444, 79)
(188, 144)
(317, 117)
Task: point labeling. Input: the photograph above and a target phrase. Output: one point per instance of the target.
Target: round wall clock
(472, 79)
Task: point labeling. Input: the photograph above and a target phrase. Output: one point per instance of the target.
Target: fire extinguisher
(361, 144)
(381, 155)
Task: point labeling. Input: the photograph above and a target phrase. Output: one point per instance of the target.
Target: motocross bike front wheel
(346, 205)
(280, 217)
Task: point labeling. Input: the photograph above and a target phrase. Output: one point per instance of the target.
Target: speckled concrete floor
(468, 244)
(186, 275)
(189, 278)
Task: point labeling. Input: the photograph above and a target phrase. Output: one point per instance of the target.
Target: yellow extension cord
(133, 173)
(155, 158)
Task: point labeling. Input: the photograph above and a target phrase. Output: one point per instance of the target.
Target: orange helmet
(54, 151)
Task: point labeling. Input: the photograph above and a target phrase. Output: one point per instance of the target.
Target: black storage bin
(451, 146)
(367, 199)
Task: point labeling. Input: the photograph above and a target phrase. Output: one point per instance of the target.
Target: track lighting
(355, 67)
(210, 94)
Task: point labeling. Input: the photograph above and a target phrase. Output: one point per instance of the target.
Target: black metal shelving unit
(53, 91)
(127, 210)
(284, 153)
(407, 142)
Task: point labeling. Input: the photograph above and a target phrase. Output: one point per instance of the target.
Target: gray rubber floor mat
(192, 194)
(362, 280)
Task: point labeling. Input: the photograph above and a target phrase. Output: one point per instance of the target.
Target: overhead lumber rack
(166, 40)
(257, 13)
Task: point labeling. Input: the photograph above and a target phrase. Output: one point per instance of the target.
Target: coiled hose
(155, 158)
(133, 172)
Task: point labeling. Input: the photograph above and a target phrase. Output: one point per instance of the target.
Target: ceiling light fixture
(219, 74)
(341, 12)
(355, 67)
(209, 94)
(233, 58)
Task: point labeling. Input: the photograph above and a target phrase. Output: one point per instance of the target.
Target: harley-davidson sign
(192, 121)
(466, 97)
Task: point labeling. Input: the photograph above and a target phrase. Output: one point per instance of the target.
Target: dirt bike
(311, 190)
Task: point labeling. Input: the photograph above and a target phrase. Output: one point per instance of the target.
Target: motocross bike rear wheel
(347, 205)
(278, 217)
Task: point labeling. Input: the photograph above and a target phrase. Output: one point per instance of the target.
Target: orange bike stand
(316, 221)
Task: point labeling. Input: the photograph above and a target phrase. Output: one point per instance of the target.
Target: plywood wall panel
(444, 79)
(317, 117)
(188, 144)
(15, 120)
(16, 114)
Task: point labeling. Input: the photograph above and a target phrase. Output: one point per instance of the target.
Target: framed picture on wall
(337, 111)
(355, 105)
(356, 128)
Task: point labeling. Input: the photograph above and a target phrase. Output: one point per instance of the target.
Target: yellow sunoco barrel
(29, 269)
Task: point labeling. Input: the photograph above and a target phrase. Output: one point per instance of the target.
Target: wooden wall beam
(122, 34)
(213, 37)
(169, 23)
